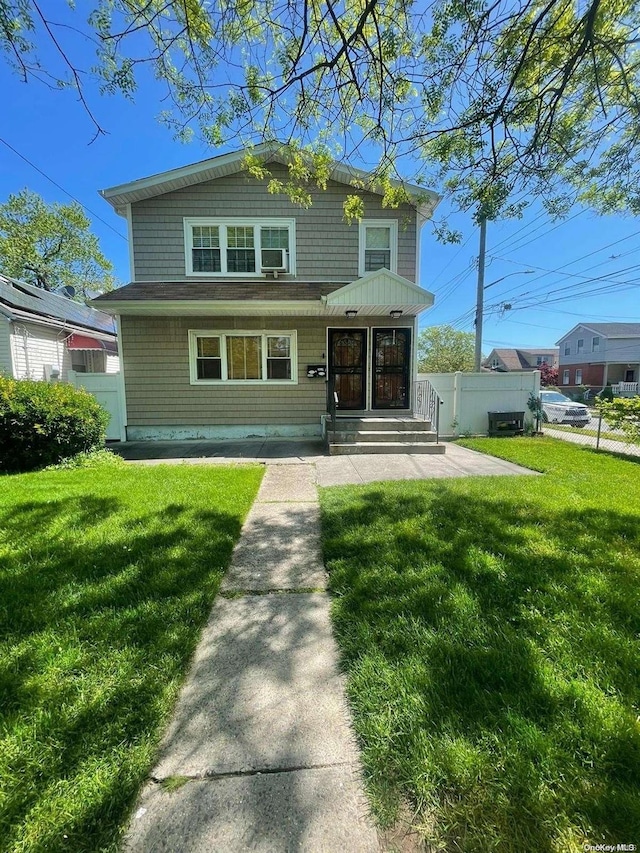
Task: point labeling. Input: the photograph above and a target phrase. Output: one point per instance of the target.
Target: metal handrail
(426, 404)
(332, 403)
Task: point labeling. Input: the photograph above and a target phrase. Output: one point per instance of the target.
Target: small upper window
(595, 343)
(378, 245)
(580, 347)
(567, 349)
(542, 359)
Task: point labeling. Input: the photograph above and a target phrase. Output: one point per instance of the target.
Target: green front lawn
(106, 578)
(489, 628)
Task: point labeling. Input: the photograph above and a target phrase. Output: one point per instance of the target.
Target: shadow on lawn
(99, 630)
(499, 643)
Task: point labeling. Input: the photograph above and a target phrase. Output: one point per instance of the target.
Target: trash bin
(506, 423)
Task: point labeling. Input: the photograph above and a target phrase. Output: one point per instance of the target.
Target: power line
(62, 189)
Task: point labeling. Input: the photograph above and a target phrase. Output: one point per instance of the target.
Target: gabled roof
(377, 289)
(607, 330)
(227, 164)
(519, 359)
(21, 301)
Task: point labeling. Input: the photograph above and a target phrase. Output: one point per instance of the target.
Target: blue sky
(544, 270)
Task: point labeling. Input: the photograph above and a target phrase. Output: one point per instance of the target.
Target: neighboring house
(242, 304)
(600, 354)
(519, 360)
(44, 335)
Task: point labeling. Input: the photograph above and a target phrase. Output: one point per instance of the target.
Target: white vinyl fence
(108, 391)
(468, 397)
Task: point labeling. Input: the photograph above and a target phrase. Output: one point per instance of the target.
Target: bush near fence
(43, 423)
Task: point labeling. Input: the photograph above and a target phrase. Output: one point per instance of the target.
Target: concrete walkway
(260, 755)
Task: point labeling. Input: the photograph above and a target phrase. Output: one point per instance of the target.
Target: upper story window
(378, 245)
(580, 346)
(595, 343)
(567, 349)
(234, 247)
(542, 359)
(495, 363)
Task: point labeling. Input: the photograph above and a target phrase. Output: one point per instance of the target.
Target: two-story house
(599, 354)
(242, 305)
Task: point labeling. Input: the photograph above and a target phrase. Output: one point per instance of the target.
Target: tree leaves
(50, 245)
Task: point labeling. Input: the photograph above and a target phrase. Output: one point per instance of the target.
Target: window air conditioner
(273, 260)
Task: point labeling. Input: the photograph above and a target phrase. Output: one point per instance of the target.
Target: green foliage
(443, 349)
(50, 245)
(606, 393)
(488, 627)
(42, 424)
(496, 103)
(106, 580)
(622, 413)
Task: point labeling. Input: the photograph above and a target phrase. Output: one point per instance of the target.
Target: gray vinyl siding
(6, 365)
(326, 246)
(159, 393)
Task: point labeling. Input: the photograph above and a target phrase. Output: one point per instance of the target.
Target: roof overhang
(122, 195)
(375, 294)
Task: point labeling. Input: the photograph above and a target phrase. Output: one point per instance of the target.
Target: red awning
(84, 342)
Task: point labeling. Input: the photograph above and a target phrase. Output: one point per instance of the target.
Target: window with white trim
(565, 377)
(578, 377)
(239, 247)
(239, 357)
(542, 359)
(580, 346)
(378, 245)
(567, 349)
(595, 343)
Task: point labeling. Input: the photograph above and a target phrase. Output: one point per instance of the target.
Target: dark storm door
(391, 368)
(347, 366)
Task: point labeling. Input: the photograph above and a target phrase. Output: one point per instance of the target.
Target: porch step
(384, 447)
(382, 424)
(405, 436)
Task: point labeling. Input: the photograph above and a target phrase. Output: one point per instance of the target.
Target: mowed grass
(106, 578)
(489, 628)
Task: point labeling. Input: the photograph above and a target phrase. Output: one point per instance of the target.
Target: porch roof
(376, 293)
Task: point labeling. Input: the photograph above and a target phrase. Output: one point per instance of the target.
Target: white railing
(426, 404)
(625, 389)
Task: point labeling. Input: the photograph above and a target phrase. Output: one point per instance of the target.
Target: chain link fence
(597, 434)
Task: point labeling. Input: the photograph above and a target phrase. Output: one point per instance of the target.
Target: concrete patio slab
(279, 548)
(288, 483)
(264, 692)
(316, 811)
(456, 462)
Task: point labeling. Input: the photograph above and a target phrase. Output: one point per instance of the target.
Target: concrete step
(384, 447)
(411, 436)
(382, 424)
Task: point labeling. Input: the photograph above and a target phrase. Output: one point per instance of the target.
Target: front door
(347, 366)
(391, 356)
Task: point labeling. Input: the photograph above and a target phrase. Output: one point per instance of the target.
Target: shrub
(622, 413)
(42, 423)
(606, 393)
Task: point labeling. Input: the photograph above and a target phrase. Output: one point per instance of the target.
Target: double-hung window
(378, 245)
(239, 247)
(580, 346)
(239, 357)
(595, 343)
(565, 377)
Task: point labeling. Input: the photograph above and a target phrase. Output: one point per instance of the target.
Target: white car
(558, 409)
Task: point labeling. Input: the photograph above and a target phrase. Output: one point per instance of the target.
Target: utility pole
(480, 295)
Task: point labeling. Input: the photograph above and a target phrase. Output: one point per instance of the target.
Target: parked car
(558, 409)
